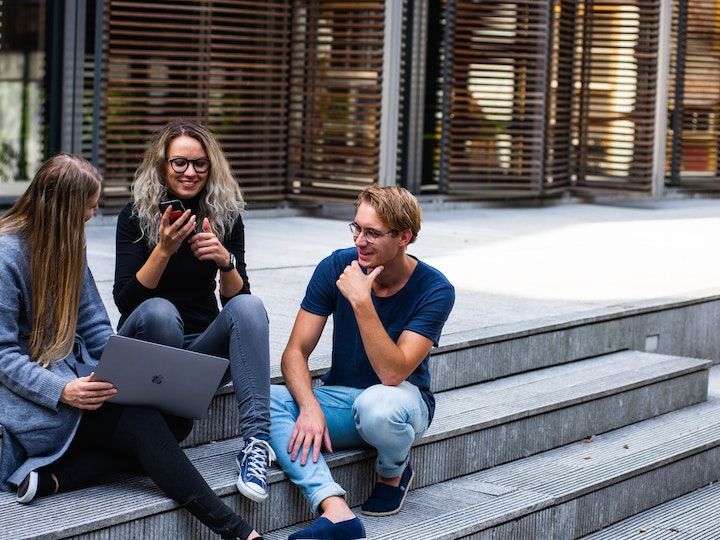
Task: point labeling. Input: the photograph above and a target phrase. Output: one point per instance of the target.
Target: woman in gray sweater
(59, 432)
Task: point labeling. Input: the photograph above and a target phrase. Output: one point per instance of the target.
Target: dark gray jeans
(239, 333)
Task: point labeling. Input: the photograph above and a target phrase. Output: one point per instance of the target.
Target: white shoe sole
(31, 491)
(248, 491)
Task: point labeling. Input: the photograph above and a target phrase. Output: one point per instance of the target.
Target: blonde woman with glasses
(60, 434)
(181, 230)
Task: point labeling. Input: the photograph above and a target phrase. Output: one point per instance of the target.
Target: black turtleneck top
(187, 282)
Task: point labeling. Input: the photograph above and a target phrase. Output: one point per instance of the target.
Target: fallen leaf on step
(625, 446)
(588, 439)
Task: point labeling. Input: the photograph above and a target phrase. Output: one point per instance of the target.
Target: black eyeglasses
(180, 164)
(371, 235)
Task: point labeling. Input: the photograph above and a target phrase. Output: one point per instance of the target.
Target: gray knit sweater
(37, 427)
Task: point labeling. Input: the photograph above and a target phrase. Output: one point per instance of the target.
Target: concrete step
(465, 359)
(475, 428)
(571, 491)
(484, 354)
(695, 515)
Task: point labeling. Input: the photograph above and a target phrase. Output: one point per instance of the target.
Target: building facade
(314, 100)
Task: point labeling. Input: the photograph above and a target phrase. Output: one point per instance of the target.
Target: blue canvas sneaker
(253, 462)
(386, 500)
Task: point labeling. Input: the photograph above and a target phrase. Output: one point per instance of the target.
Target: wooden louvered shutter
(694, 96)
(494, 98)
(336, 89)
(224, 63)
(616, 74)
(559, 166)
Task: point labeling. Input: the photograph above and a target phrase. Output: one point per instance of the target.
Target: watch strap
(230, 266)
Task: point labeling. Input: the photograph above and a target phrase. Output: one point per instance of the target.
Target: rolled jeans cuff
(328, 490)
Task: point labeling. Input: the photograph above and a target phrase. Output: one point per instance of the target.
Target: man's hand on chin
(354, 284)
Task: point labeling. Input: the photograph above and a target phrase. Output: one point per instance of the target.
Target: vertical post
(73, 58)
(415, 96)
(546, 85)
(97, 81)
(447, 86)
(661, 98)
(679, 94)
(390, 93)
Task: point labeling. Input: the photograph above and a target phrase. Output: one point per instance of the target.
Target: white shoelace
(259, 456)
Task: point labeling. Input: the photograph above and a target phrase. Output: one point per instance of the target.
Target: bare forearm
(298, 379)
(231, 283)
(386, 358)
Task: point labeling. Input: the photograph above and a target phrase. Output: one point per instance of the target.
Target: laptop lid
(175, 381)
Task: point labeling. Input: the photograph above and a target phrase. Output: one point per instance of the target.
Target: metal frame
(447, 47)
(679, 94)
(73, 59)
(97, 81)
(390, 107)
(661, 99)
(415, 94)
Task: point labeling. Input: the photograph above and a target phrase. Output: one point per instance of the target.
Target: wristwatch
(230, 266)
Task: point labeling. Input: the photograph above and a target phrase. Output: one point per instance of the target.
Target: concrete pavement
(512, 267)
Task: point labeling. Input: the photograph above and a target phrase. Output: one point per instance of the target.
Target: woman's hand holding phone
(172, 233)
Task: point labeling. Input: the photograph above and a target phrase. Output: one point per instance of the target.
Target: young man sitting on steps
(388, 311)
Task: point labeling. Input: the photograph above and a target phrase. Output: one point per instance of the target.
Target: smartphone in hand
(177, 208)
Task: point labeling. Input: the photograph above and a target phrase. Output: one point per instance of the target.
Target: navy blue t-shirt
(421, 306)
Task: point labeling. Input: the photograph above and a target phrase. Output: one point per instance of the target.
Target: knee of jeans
(373, 410)
(246, 305)
(161, 322)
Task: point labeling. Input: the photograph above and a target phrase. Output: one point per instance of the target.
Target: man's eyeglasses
(180, 164)
(371, 235)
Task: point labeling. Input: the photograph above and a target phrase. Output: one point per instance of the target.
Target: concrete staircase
(528, 444)
(695, 515)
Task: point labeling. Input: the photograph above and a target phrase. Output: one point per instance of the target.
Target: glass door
(23, 90)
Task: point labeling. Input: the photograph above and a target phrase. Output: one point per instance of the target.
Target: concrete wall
(688, 328)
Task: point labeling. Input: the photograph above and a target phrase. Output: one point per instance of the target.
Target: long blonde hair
(50, 217)
(222, 200)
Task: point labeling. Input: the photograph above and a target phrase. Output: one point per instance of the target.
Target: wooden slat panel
(615, 110)
(497, 79)
(224, 63)
(336, 91)
(559, 166)
(694, 162)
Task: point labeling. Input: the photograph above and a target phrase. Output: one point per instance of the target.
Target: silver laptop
(175, 381)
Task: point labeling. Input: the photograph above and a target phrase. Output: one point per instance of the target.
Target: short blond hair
(395, 206)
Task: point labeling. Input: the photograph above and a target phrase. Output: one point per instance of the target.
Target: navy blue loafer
(323, 528)
(387, 500)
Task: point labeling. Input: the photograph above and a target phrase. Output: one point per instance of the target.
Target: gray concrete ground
(510, 266)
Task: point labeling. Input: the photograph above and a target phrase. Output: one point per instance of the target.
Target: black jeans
(118, 438)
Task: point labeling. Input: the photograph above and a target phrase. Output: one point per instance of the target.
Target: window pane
(22, 93)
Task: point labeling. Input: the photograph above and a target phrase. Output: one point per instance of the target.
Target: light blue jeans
(387, 418)
(239, 333)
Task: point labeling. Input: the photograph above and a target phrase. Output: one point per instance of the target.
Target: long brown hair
(50, 217)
